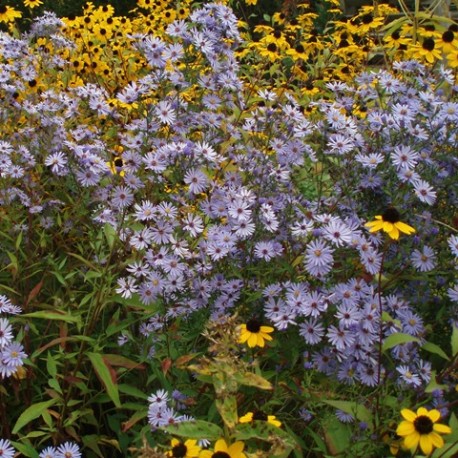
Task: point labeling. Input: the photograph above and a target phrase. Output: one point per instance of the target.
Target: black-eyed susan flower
(224, 450)
(421, 429)
(32, 3)
(260, 415)
(428, 51)
(254, 334)
(390, 223)
(9, 14)
(187, 449)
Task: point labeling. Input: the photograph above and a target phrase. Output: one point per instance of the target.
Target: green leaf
(32, 412)
(454, 340)
(51, 365)
(132, 391)
(433, 348)
(103, 372)
(250, 379)
(25, 449)
(110, 234)
(281, 442)
(433, 385)
(357, 410)
(53, 315)
(397, 339)
(197, 429)
(227, 408)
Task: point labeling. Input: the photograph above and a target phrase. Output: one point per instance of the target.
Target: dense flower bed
(198, 260)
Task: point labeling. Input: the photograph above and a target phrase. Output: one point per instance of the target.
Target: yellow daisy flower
(254, 334)
(9, 14)
(188, 449)
(222, 449)
(390, 223)
(32, 3)
(421, 429)
(260, 415)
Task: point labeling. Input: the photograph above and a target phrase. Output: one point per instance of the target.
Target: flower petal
(437, 440)
(426, 444)
(266, 329)
(221, 446)
(408, 415)
(412, 440)
(422, 411)
(246, 418)
(443, 429)
(253, 340)
(236, 448)
(434, 415)
(405, 428)
(394, 233)
(403, 227)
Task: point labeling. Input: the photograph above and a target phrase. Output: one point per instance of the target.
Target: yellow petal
(408, 415)
(265, 336)
(412, 440)
(266, 329)
(387, 226)
(252, 340)
(426, 444)
(405, 428)
(221, 446)
(236, 448)
(443, 429)
(437, 440)
(246, 418)
(422, 411)
(403, 227)
(244, 336)
(206, 454)
(394, 233)
(375, 226)
(434, 415)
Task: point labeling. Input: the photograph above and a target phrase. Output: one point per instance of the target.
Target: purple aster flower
(424, 192)
(196, 180)
(318, 258)
(6, 449)
(453, 244)
(265, 250)
(68, 450)
(424, 260)
(312, 331)
(453, 293)
(48, 452)
(340, 337)
(122, 197)
(6, 334)
(409, 377)
(344, 417)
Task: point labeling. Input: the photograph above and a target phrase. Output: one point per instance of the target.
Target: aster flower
(224, 450)
(259, 415)
(421, 429)
(424, 260)
(390, 223)
(254, 334)
(187, 449)
(68, 450)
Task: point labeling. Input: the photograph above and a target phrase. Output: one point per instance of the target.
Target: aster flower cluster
(65, 450)
(12, 353)
(163, 409)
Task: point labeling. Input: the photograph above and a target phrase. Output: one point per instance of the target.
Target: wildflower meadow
(228, 229)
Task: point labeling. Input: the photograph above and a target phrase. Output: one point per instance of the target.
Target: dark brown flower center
(179, 451)
(428, 44)
(221, 455)
(253, 326)
(391, 215)
(423, 424)
(272, 47)
(259, 415)
(448, 36)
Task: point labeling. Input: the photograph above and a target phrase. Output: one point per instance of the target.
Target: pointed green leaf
(397, 339)
(103, 372)
(53, 315)
(197, 429)
(227, 408)
(32, 412)
(433, 348)
(454, 340)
